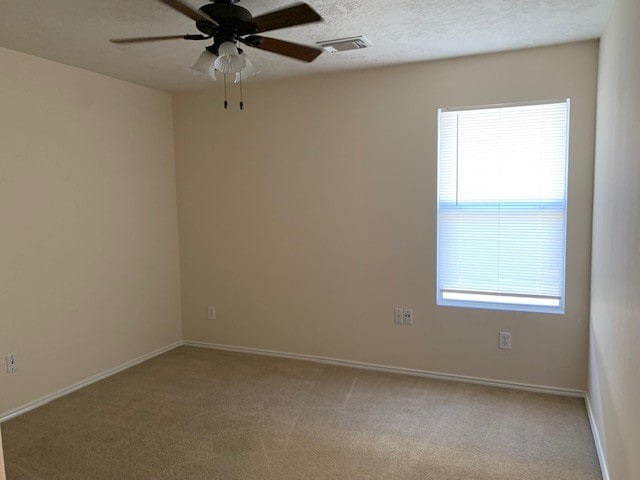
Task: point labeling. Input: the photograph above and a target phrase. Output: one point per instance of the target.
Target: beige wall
(89, 274)
(614, 381)
(307, 218)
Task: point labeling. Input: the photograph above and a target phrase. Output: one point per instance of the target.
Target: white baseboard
(597, 440)
(384, 368)
(4, 416)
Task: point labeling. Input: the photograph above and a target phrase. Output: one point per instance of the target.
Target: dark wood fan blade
(282, 47)
(185, 9)
(298, 14)
(125, 41)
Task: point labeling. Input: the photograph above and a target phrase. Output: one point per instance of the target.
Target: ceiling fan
(229, 24)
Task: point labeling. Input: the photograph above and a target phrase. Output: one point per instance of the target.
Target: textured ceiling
(76, 32)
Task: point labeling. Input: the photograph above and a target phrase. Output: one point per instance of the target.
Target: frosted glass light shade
(227, 48)
(230, 63)
(206, 64)
(248, 70)
(229, 60)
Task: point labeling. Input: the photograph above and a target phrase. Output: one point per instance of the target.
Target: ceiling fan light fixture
(227, 24)
(206, 64)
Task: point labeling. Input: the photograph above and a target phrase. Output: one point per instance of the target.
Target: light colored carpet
(195, 414)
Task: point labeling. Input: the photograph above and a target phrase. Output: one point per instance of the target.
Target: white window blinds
(502, 174)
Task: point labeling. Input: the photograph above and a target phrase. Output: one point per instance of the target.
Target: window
(502, 202)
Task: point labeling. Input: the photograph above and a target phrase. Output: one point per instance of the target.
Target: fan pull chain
(226, 103)
(241, 99)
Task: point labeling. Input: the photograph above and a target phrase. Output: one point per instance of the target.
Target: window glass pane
(502, 205)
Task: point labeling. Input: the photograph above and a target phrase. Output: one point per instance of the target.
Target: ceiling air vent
(344, 44)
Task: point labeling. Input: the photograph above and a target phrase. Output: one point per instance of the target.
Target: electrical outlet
(403, 316)
(211, 313)
(12, 361)
(505, 340)
(398, 316)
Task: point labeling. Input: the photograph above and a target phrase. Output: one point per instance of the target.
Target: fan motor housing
(234, 20)
(227, 12)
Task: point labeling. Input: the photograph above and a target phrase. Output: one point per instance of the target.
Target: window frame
(505, 306)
